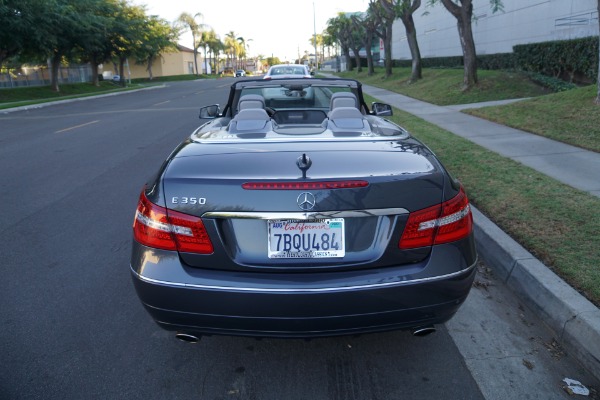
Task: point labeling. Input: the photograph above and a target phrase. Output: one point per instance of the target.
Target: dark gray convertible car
(298, 211)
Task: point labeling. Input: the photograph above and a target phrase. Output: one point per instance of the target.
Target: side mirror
(210, 112)
(381, 109)
(312, 73)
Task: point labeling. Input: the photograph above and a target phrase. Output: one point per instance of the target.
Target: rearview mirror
(210, 112)
(381, 109)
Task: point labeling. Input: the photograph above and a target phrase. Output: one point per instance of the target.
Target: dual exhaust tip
(187, 337)
(423, 331)
(190, 338)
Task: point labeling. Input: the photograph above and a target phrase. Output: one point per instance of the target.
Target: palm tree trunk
(195, 53)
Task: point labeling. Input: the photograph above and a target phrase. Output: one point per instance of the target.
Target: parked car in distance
(283, 71)
(240, 72)
(280, 217)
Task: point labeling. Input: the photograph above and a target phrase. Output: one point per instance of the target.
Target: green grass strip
(556, 223)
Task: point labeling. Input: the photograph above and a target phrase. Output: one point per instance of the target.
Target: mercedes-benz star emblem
(306, 201)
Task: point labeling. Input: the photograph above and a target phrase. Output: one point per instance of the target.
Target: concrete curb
(51, 103)
(574, 319)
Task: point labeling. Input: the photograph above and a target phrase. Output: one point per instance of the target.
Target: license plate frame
(306, 239)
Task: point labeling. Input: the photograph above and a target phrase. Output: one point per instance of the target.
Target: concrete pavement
(574, 319)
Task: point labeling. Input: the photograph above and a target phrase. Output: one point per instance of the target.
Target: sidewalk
(574, 319)
(568, 164)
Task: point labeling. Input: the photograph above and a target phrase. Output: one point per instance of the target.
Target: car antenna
(304, 162)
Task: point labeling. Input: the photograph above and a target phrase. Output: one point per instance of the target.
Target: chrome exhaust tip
(424, 331)
(186, 337)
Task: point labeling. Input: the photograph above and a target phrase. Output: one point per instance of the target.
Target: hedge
(571, 60)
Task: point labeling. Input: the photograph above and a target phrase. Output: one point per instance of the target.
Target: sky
(280, 28)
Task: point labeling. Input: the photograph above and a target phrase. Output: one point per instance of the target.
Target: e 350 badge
(188, 200)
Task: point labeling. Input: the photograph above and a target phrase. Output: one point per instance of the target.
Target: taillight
(444, 223)
(157, 227)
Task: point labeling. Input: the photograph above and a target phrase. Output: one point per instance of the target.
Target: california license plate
(322, 238)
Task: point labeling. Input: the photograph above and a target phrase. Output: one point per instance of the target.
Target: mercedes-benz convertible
(297, 210)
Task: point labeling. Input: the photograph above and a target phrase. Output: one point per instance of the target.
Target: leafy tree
(95, 46)
(188, 22)
(17, 21)
(157, 37)
(70, 25)
(462, 10)
(273, 60)
(128, 33)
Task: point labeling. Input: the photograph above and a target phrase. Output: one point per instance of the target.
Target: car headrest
(251, 101)
(343, 99)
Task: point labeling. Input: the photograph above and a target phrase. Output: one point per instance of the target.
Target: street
(73, 327)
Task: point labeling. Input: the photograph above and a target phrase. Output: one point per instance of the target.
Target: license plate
(322, 238)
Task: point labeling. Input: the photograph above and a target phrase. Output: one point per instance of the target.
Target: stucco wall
(521, 22)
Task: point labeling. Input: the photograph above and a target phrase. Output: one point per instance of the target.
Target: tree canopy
(93, 31)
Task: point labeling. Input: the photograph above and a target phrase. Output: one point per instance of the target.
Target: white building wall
(521, 22)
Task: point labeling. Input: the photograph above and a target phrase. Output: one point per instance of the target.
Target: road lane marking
(163, 102)
(78, 126)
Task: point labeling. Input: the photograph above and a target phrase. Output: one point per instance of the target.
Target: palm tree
(187, 21)
(232, 47)
(215, 46)
(341, 29)
(243, 49)
(203, 40)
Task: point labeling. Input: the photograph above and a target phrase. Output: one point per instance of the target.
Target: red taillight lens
(157, 227)
(448, 222)
(304, 185)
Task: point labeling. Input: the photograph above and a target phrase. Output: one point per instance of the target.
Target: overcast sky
(280, 28)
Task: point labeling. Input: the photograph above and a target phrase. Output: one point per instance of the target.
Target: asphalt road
(73, 328)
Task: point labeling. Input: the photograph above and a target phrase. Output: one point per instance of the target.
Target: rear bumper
(199, 301)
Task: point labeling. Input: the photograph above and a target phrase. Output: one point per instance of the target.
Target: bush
(572, 60)
(488, 61)
(552, 83)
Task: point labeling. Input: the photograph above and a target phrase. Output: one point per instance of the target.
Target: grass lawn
(443, 86)
(570, 116)
(558, 224)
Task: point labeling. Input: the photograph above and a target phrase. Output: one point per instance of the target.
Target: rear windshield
(287, 70)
